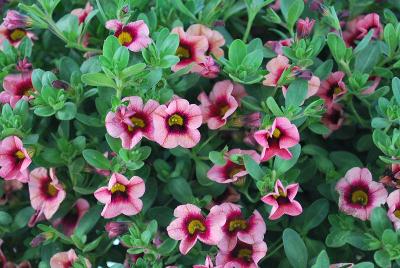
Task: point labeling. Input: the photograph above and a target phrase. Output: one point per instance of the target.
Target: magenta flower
(71, 220)
(15, 20)
(177, 124)
(277, 46)
(17, 87)
(242, 256)
(360, 26)
(282, 201)
(14, 36)
(132, 122)
(277, 139)
(332, 88)
(359, 194)
(134, 35)
(82, 13)
(45, 191)
(393, 213)
(14, 160)
(220, 104)
(121, 196)
(231, 171)
(192, 50)
(215, 39)
(304, 27)
(237, 227)
(190, 225)
(334, 117)
(208, 264)
(66, 259)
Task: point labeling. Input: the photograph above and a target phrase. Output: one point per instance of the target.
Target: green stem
(275, 250)
(357, 116)
(248, 27)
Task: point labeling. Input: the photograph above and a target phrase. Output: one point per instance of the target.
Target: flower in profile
(237, 227)
(209, 68)
(45, 191)
(214, 38)
(17, 87)
(334, 117)
(82, 13)
(332, 88)
(360, 26)
(277, 139)
(282, 201)
(121, 196)
(190, 225)
(177, 124)
(191, 50)
(134, 35)
(359, 194)
(277, 46)
(14, 36)
(208, 264)
(220, 104)
(231, 171)
(243, 255)
(304, 27)
(374, 83)
(14, 160)
(132, 122)
(15, 20)
(71, 220)
(116, 228)
(391, 177)
(393, 213)
(66, 259)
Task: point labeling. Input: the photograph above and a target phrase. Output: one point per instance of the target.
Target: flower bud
(15, 20)
(115, 229)
(59, 84)
(304, 27)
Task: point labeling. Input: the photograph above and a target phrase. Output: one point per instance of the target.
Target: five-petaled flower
(14, 160)
(332, 88)
(14, 36)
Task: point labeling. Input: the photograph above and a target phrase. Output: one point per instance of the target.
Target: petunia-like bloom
(71, 220)
(391, 177)
(277, 46)
(45, 191)
(332, 88)
(14, 160)
(359, 194)
(209, 68)
(190, 225)
(231, 171)
(334, 117)
(237, 227)
(177, 124)
(220, 104)
(282, 201)
(14, 36)
(208, 264)
(214, 38)
(360, 26)
(82, 13)
(17, 87)
(121, 196)
(134, 35)
(393, 213)
(192, 50)
(277, 139)
(132, 122)
(304, 27)
(242, 256)
(15, 20)
(66, 259)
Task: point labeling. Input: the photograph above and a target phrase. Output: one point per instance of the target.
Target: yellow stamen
(51, 189)
(118, 187)
(223, 110)
(175, 120)
(182, 52)
(196, 225)
(337, 90)
(237, 224)
(245, 253)
(17, 34)
(359, 197)
(397, 213)
(235, 170)
(125, 38)
(276, 134)
(20, 155)
(137, 123)
(27, 92)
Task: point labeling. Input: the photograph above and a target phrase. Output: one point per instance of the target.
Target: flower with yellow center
(195, 225)
(20, 155)
(137, 123)
(175, 120)
(245, 254)
(125, 38)
(277, 133)
(51, 189)
(237, 224)
(118, 187)
(182, 52)
(397, 213)
(223, 110)
(359, 197)
(337, 90)
(17, 34)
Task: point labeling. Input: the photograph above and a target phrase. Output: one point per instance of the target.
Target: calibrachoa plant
(200, 133)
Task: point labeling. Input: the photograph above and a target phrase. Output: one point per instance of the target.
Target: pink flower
(132, 122)
(45, 192)
(192, 50)
(115, 229)
(207, 264)
(220, 104)
(242, 256)
(237, 227)
(231, 171)
(359, 194)
(277, 139)
(17, 87)
(15, 20)
(277, 46)
(24, 65)
(66, 259)
(360, 26)
(121, 196)
(14, 160)
(14, 36)
(392, 177)
(375, 83)
(177, 124)
(71, 220)
(214, 38)
(209, 68)
(190, 225)
(393, 213)
(304, 27)
(332, 88)
(334, 117)
(134, 35)
(82, 13)
(282, 201)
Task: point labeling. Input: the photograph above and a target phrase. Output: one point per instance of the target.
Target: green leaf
(379, 221)
(314, 215)
(363, 241)
(180, 190)
(364, 42)
(294, 12)
(98, 80)
(295, 249)
(167, 247)
(345, 160)
(217, 157)
(382, 258)
(324, 69)
(237, 52)
(201, 173)
(253, 167)
(396, 89)
(367, 59)
(336, 46)
(68, 112)
(110, 47)
(89, 220)
(282, 165)
(179, 5)
(5, 218)
(273, 107)
(322, 260)
(296, 93)
(96, 159)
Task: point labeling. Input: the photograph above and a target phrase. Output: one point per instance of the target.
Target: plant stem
(248, 27)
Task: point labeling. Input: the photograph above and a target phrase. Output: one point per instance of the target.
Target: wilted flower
(14, 160)
(17, 87)
(66, 259)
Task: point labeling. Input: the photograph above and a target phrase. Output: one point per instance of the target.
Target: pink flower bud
(304, 27)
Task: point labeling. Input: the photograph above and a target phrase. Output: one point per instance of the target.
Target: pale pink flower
(132, 122)
(214, 38)
(359, 194)
(177, 124)
(360, 26)
(82, 13)
(66, 260)
(71, 220)
(242, 256)
(17, 87)
(209, 68)
(237, 227)
(121, 196)
(277, 139)
(134, 35)
(332, 88)
(14, 160)
(231, 171)
(304, 27)
(190, 225)
(282, 201)
(15, 20)
(393, 213)
(277, 46)
(208, 264)
(14, 36)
